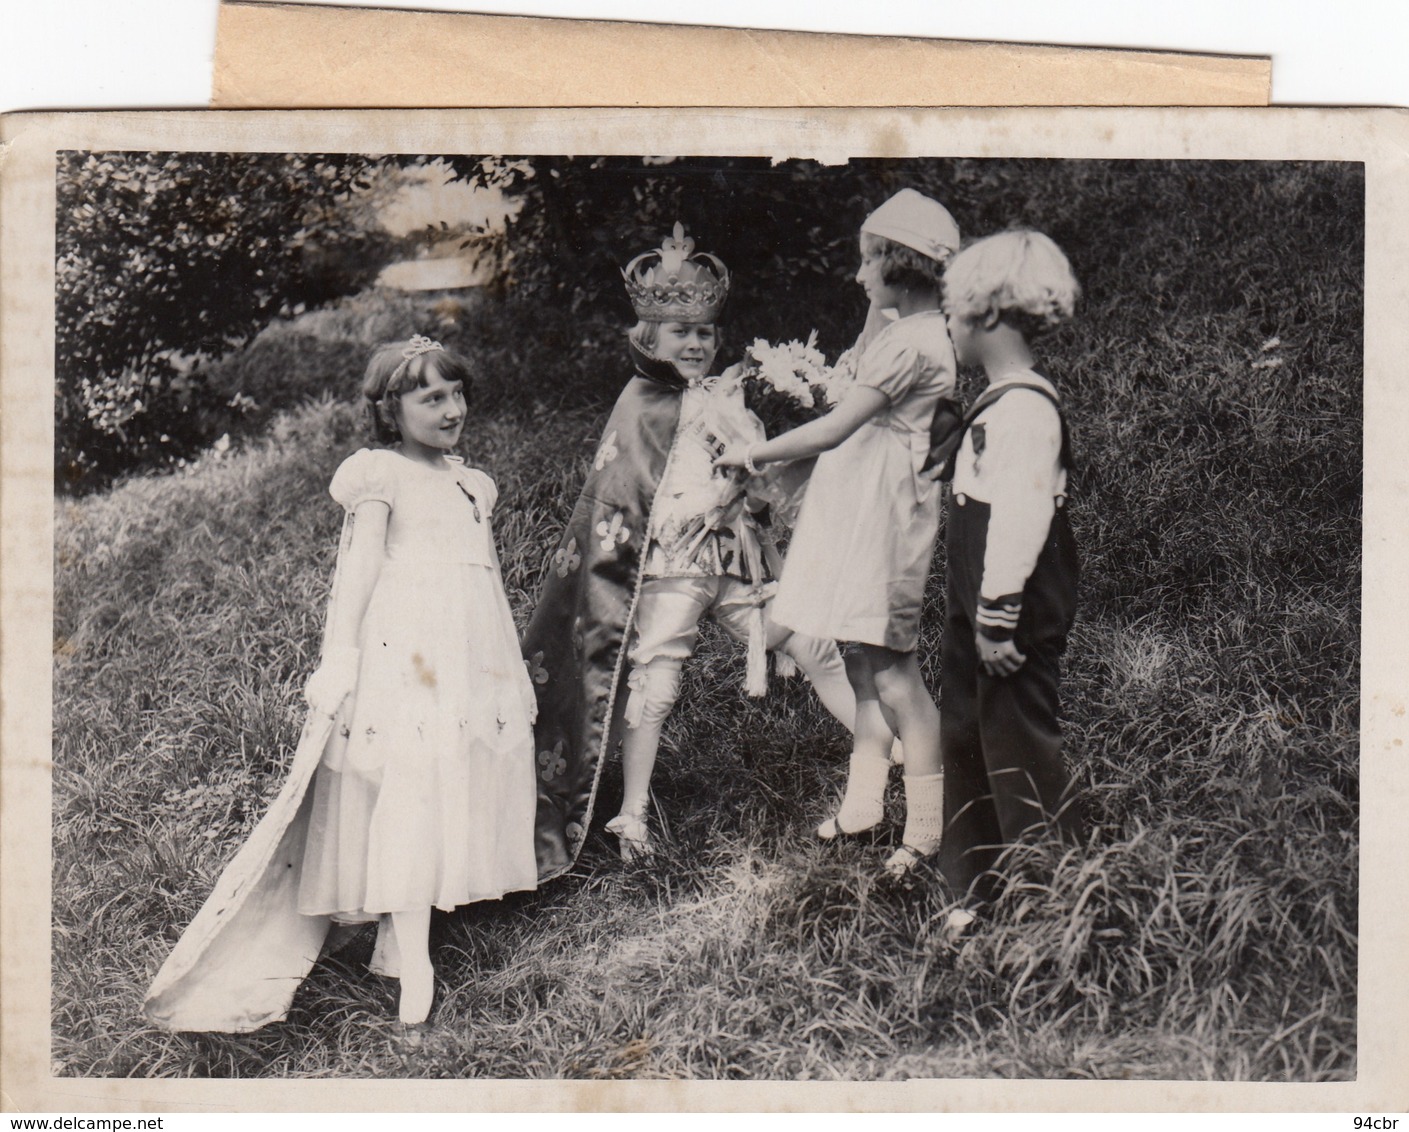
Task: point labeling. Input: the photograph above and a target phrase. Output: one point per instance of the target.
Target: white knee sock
(417, 975)
(924, 811)
(864, 803)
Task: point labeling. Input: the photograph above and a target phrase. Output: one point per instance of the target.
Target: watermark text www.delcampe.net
(86, 1124)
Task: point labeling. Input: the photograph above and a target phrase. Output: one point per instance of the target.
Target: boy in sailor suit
(1011, 565)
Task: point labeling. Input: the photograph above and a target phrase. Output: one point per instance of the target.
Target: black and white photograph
(850, 598)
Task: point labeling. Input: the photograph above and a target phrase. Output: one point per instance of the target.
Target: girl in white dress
(427, 795)
(856, 569)
(424, 793)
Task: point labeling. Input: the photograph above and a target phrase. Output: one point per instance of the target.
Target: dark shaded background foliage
(166, 261)
(165, 258)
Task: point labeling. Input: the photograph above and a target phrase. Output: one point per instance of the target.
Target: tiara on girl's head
(680, 286)
(418, 345)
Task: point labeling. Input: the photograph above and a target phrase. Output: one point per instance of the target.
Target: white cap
(913, 219)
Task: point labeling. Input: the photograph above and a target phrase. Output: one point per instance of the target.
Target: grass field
(1207, 931)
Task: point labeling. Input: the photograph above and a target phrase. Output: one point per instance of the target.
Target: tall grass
(1208, 928)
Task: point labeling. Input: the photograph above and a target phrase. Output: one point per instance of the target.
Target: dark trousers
(999, 735)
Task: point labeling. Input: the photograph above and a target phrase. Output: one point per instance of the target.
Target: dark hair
(905, 267)
(390, 373)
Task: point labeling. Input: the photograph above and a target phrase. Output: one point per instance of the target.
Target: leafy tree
(167, 261)
(788, 231)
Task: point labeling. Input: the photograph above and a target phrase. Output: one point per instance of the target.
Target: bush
(165, 262)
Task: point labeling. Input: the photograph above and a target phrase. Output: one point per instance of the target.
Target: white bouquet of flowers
(786, 385)
(790, 383)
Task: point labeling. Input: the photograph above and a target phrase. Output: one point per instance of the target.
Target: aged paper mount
(307, 56)
(1380, 139)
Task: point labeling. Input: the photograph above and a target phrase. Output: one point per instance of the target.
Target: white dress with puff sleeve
(419, 793)
(426, 794)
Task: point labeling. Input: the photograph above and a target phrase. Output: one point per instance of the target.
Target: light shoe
(634, 836)
(831, 830)
(907, 862)
(924, 828)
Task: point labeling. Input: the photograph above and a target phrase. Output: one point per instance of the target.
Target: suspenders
(947, 428)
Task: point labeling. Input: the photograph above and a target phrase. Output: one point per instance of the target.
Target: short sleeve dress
(425, 796)
(858, 561)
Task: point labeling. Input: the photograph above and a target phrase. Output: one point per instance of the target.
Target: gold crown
(680, 286)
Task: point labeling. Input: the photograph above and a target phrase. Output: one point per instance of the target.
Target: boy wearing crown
(655, 543)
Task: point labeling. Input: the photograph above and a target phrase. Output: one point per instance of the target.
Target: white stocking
(413, 937)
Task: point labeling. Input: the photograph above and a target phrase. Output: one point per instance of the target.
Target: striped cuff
(997, 617)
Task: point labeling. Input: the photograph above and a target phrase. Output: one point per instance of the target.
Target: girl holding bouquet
(655, 543)
(861, 552)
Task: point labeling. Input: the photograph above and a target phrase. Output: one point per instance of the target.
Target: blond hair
(1021, 275)
(645, 335)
